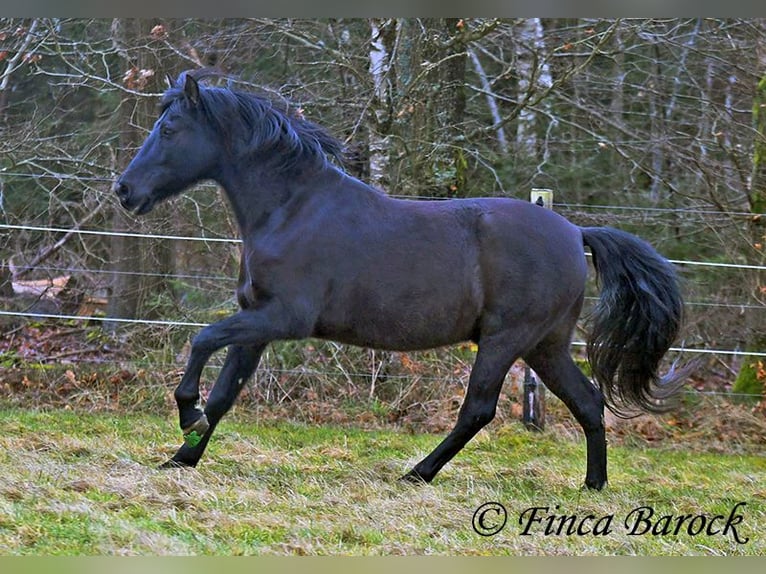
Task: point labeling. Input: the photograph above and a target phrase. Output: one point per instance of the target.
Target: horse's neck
(255, 196)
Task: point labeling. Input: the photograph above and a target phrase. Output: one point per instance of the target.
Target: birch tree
(534, 76)
(383, 33)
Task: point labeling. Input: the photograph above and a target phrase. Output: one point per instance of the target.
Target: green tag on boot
(192, 439)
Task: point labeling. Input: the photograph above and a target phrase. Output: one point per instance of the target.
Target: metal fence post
(533, 414)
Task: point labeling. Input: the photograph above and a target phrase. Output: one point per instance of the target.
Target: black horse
(326, 255)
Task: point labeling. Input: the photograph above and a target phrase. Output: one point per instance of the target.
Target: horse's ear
(191, 89)
(169, 79)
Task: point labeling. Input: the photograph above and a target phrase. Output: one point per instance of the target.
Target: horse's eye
(166, 131)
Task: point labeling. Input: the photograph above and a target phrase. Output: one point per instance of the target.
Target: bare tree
(383, 35)
(534, 77)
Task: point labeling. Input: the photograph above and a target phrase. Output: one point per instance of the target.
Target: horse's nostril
(120, 189)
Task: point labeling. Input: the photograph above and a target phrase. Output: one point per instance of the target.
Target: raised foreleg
(246, 333)
(240, 364)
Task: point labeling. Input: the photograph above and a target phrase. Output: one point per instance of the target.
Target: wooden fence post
(533, 414)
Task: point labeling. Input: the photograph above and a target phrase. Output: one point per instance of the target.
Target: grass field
(80, 483)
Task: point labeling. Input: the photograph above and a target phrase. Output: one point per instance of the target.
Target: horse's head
(180, 151)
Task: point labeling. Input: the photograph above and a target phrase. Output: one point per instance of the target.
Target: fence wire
(232, 240)
(54, 270)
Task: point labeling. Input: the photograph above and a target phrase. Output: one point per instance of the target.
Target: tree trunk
(494, 110)
(617, 105)
(657, 129)
(751, 379)
(445, 106)
(139, 266)
(534, 75)
(383, 36)
(430, 104)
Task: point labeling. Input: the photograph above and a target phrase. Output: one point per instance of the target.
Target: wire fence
(366, 376)
(171, 323)
(53, 270)
(233, 240)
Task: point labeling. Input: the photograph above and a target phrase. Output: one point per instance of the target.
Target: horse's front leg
(192, 419)
(240, 364)
(252, 329)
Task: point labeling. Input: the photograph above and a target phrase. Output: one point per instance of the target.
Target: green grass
(77, 483)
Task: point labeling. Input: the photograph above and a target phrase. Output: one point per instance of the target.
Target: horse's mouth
(144, 207)
(140, 208)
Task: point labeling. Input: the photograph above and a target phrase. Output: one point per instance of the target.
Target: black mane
(252, 123)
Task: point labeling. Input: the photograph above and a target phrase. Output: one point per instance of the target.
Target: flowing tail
(635, 322)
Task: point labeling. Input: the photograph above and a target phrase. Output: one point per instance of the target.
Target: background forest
(656, 126)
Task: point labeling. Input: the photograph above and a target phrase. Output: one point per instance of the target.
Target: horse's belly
(404, 340)
(403, 327)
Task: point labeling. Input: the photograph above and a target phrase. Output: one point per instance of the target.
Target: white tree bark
(497, 119)
(534, 74)
(380, 68)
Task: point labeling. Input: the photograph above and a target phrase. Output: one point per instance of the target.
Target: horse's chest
(265, 272)
(253, 287)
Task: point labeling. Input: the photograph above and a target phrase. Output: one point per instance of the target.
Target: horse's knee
(184, 396)
(477, 416)
(202, 342)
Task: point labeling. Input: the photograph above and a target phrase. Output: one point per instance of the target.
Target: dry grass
(324, 383)
(79, 483)
(307, 463)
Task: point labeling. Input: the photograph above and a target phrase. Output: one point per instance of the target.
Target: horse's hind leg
(241, 362)
(493, 360)
(555, 366)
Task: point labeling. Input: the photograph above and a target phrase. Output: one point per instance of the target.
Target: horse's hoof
(413, 477)
(170, 464)
(193, 434)
(595, 485)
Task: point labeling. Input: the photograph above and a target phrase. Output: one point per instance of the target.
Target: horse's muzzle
(129, 200)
